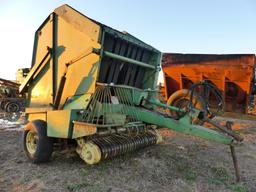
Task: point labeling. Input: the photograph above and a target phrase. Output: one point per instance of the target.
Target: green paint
(158, 103)
(128, 37)
(128, 60)
(183, 125)
(77, 102)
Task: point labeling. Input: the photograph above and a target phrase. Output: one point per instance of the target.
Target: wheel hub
(31, 142)
(88, 151)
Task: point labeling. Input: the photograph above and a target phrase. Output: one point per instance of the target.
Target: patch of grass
(221, 177)
(237, 187)
(216, 181)
(83, 172)
(78, 186)
(84, 185)
(102, 166)
(220, 173)
(190, 175)
(28, 178)
(187, 172)
(233, 187)
(132, 190)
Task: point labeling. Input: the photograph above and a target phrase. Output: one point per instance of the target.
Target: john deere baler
(97, 86)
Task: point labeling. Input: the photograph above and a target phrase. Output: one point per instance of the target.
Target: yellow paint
(81, 129)
(58, 123)
(88, 151)
(37, 92)
(44, 41)
(79, 21)
(75, 34)
(31, 142)
(35, 116)
(81, 102)
(75, 43)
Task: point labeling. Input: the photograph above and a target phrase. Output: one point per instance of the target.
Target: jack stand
(233, 154)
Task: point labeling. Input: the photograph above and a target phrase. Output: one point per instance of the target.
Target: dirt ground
(181, 164)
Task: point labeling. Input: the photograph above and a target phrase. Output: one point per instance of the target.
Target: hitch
(185, 125)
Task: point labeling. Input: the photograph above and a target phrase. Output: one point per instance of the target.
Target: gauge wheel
(180, 99)
(36, 144)
(12, 107)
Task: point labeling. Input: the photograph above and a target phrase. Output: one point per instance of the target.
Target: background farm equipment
(12, 103)
(233, 75)
(95, 86)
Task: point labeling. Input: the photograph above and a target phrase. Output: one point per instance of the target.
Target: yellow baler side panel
(36, 116)
(44, 41)
(79, 22)
(58, 123)
(83, 71)
(41, 93)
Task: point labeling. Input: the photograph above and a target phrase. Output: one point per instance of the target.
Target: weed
(188, 173)
(102, 166)
(83, 172)
(216, 181)
(237, 187)
(78, 186)
(220, 173)
(221, 176)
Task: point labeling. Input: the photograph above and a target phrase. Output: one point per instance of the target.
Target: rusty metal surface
(233, 74)
(5, 82)
(10, 99)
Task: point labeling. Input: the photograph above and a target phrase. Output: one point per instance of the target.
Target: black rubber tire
(44, 143)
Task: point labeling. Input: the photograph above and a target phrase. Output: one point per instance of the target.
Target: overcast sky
(181, 26)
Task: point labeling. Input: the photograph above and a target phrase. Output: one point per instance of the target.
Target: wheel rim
(91, 153)
(31, 142)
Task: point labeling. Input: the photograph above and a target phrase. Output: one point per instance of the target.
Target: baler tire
(44, 144)
(184, 94)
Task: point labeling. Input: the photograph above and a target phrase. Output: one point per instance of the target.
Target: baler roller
(114, 145)
(119, 144)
